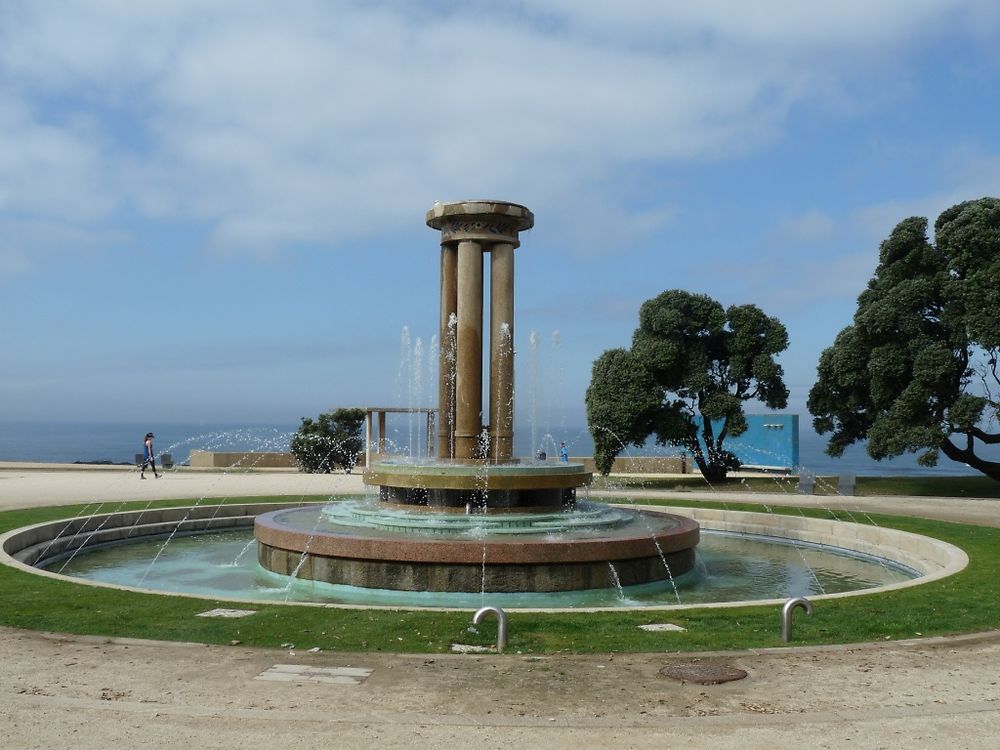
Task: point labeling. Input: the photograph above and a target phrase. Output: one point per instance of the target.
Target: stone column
(446, 351)
(471, 228)
(469, 367)
(381, 433)
(501, 351)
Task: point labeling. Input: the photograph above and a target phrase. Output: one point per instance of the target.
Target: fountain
(476, 519)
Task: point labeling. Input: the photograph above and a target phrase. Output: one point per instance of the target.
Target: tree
(917, 369)
(691, 367)
(332, 441)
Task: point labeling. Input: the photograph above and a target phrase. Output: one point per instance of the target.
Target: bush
(333, 441)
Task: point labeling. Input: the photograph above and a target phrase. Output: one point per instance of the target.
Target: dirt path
(89, 693)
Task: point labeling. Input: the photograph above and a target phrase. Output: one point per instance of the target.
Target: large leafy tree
(691, 367)
(332, 441)
(917, 369)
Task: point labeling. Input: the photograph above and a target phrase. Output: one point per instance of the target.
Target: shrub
(333, 441)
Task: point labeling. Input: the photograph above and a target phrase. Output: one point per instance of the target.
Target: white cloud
(318, 122)
(47, 170)
(786, 24)
(27, 245)
(812, 226)
(790, 284)
(877, 221)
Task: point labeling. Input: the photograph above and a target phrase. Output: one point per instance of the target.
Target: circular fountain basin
(120, 549)
(457, 484)
(363, 544)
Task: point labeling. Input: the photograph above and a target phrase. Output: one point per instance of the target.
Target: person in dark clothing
(149, 458)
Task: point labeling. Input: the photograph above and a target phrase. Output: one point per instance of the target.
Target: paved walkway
(87, 693)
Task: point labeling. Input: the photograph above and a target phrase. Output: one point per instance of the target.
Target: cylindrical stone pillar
(446, 351)
(501, 351)
(468, 230)
(469, 367)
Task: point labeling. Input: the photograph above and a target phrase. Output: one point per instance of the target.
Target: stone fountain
(476, 519)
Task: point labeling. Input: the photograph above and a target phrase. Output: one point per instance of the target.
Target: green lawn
(966, 602)
(965, 486)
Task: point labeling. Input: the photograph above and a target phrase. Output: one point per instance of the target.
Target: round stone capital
(487, 222)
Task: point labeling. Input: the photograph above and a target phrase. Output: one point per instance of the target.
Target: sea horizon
(118, 442)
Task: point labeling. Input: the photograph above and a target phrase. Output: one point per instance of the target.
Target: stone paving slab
(227, 613)
(326, 675)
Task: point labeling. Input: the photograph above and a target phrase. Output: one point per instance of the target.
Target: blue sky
(215, 211)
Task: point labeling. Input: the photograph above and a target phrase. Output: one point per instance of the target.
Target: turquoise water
(729, 568)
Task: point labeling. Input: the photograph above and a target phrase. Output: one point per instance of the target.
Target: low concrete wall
(642, 464)
(225, 460)
(276, 460)
(31, 544)
(248, 460)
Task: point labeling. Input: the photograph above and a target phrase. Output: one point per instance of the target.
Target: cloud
(810, 227)
(47, 170)
(28, 245)
(789, 284)
(318, 123)
(878, 220)
(785, 25)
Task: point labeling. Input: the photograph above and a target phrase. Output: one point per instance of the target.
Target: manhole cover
(703, 674)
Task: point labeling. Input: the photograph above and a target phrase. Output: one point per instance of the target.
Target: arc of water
(448, 358)
(64, 529)
(190, 510)
(615, 580)
(533, 339)
(417, 391)
(433, 365)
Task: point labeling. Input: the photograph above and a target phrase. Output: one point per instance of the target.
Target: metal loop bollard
(786, 615)
(501, 623)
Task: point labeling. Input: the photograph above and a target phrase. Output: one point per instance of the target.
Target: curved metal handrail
(501, 623)
(786, 615)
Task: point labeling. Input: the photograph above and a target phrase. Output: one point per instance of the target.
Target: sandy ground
(79, 692)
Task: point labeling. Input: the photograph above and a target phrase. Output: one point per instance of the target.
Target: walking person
(563, 453)
(149, 457)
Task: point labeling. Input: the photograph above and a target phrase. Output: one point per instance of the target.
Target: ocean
(116, 442)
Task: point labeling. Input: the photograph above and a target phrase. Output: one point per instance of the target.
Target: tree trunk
(713, 473)
(968, 456)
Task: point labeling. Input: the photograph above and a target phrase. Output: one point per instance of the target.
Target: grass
(971, 486)
(966, 602)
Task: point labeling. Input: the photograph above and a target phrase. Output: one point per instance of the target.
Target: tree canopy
(916, 371)
(330, 442)
(691, 367)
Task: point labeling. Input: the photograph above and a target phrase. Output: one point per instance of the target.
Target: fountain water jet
(522, 536)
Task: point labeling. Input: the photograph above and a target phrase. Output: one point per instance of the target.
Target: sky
(215, 211)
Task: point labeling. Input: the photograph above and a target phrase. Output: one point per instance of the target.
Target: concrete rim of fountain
(477, 475)
(933, 558)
